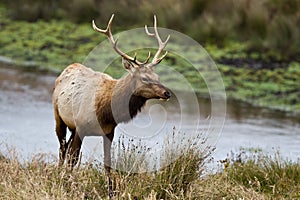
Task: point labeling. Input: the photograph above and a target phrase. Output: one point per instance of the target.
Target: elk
(91, 103)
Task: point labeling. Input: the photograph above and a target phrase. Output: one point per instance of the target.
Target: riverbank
(27, 120)
(249, 76)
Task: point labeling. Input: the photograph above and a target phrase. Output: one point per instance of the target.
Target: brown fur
(93, 103)
(115, 101)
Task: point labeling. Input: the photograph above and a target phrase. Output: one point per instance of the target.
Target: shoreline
(37, 68)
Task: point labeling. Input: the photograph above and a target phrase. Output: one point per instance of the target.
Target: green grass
(275, 88)
(52, 45)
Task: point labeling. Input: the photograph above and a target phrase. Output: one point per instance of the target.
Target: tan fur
(92, 103)
(74, 97)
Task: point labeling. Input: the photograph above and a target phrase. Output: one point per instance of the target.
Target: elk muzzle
(165, 96)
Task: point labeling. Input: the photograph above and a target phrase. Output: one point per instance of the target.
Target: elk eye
(144, 79)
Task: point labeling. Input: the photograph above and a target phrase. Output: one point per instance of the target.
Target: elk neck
(125, 104)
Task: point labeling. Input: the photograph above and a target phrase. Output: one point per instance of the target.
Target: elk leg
(61, 132)
(107, 141)
(74, 145)
(67, 145)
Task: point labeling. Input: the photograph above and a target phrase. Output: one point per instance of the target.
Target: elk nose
(167, 94)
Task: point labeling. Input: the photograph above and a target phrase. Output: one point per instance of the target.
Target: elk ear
(128, 65)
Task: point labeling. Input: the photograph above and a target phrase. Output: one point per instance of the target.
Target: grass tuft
(270, 175)
(255, 176)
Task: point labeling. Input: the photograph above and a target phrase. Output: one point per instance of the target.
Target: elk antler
(156, 60)
(107, 32)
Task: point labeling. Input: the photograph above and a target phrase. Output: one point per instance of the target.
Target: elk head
(144, 81)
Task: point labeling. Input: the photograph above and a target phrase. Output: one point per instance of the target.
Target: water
(27, 122)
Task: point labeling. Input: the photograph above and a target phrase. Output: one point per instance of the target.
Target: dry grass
(269, 175)
(37, 179)
(263, 178)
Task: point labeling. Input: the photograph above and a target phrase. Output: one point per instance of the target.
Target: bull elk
(91, 103)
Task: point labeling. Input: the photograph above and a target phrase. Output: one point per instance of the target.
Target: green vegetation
(51, 45)
(275, 88)
(267, 26)
(255, 44)
(258, 177)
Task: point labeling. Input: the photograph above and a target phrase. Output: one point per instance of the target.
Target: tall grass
(40, 180)
(270, 175)
(260, 177)
(37, 179)
(180, 163)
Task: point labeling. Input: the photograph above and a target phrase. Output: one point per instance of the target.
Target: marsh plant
(246, 176)
(167, 172)
(133, 176)
(139, 155)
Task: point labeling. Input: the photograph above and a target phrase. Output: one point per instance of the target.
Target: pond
(27, 122)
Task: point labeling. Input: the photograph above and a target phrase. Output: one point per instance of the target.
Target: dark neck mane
(135, 105)
(125, 105)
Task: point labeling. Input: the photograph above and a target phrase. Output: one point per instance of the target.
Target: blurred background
(266, 24)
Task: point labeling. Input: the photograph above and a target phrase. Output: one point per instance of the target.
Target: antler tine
(107, 31)
(147, 59)
(114, 42)
(156, 60)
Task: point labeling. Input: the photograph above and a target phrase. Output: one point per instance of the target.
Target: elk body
(91, 103)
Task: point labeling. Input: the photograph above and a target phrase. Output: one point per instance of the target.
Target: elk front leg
(107, 141)
(74, 145)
